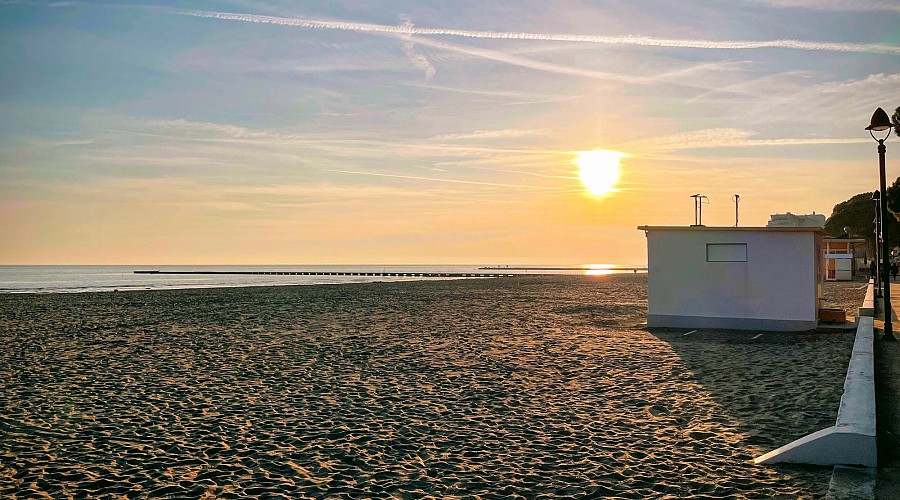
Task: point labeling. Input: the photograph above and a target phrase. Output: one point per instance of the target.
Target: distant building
(791, 220)
(744, 278)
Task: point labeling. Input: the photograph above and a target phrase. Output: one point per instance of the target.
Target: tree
(857, 215)
(895, 119)
(893, 191)
(893, 197)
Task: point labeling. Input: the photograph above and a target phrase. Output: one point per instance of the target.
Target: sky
(426, 132)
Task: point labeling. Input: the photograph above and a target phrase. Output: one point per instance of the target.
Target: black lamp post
(876, 197)
(880, 122)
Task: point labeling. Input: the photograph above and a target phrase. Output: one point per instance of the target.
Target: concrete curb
(868, 305)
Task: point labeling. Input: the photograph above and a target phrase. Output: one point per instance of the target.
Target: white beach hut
(840, 256)
(743, 278)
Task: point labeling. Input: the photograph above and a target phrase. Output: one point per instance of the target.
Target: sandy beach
(496, 388)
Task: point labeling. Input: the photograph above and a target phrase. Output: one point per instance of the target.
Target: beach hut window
(726, 252)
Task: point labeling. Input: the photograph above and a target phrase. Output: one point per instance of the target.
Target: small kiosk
(742, 278)
(840, 264)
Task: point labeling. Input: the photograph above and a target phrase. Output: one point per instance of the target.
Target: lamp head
(880, 121)
(876, 195)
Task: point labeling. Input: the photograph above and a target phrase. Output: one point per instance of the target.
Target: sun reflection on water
(598, 269)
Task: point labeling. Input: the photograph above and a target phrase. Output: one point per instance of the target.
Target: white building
(745, 278)
(790, 220)
(839, 258)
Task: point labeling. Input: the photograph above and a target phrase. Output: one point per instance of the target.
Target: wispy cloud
(727, 138)
(184, 130)
(493, 134)
(852, 100)
(530, 174)
(51, 143)
(645, 41)
(836, 5)
(453, 181)
(217, 128)
(513, 96)
(409, 48)
(704, 69)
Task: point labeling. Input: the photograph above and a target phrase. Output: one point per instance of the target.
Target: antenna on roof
(698, 208)
(737, 201)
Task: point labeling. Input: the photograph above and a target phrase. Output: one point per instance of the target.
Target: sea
(69, 279)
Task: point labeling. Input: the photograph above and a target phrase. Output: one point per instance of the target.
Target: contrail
(494, 55)
(408, 29)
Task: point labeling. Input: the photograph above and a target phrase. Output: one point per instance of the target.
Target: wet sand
(502, 388)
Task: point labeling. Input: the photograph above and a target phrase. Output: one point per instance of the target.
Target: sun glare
(598, 269)
(599, 170)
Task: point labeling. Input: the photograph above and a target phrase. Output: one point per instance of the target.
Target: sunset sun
(599, 170)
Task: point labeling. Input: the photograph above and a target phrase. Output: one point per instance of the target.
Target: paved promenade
(887, 394)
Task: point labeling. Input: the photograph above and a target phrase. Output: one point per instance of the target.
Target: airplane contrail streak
(409, 29)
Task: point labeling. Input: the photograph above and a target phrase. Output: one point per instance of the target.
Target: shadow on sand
(775, 386)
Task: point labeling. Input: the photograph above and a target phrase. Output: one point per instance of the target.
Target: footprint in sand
(657, 411)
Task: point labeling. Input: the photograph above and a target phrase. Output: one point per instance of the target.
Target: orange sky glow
(320, 133)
